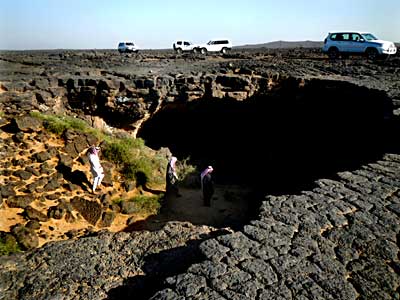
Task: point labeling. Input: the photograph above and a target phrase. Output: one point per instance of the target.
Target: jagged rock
(32, 170)
(54, 196)
(25, 237)
(65, 160)
(33, 225)
(45, 168)
(52, 185)
(42, 156)
(56, 212)
(34, 214)
(71, 150)
(80, 143)
(19, 137)
(25, 175)
(28, 124)
(107, 218)
(90, 210)
(19, 201)
(108, 169)
(7, 190)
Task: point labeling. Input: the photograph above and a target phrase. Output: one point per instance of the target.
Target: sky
(156, 24)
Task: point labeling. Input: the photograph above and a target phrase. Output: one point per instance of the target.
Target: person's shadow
(76, 177)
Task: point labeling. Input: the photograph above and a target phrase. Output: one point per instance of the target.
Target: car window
(179, 43)
(346, 37)
(334, 37)
(355, 37)
(120, 44)
(186, 43)
(369, 37)
(129, 44)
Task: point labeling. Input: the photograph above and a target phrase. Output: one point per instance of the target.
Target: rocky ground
(339, 239)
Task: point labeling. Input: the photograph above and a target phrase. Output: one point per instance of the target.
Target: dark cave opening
(278, 141)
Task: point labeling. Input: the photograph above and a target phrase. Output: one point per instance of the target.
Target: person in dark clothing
(171, 178)
(207, 185)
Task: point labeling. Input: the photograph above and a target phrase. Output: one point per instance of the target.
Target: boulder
(107, 218)
(19, 201)
(25, 237)
(34, 214)
(42, 156)
(56, 212)
(33, 225)
(7, 190)
(28, 123)
(90, 210)
(24, 175)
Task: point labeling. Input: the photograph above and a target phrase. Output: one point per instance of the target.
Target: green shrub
(148, 204)
(8, 245)
(58, 124)
(120, 150)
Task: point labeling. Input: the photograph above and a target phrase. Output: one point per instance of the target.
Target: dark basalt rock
(25, 237)
(42, 156)
(90, 210)
(28, 124)
(34, 214)
(25, 175)
(19, 201)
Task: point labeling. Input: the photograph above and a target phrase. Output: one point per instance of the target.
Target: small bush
(148, 204)
(58, 124)
(120, 150)
(8, 245)
(186, 172)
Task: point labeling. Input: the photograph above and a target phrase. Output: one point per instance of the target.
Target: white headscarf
(208, 170)
(172, 162)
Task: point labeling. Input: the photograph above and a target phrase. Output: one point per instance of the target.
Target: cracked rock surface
(337, 241)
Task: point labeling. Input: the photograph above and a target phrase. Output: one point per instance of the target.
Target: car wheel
(179, 51)
(203, 51)
(195, 51)
(333, 53)
(224, 50)
(371, 53)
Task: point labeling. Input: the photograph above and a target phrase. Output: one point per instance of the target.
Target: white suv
(184, 46)
(127, 47)
(353, 42)
(222, 46)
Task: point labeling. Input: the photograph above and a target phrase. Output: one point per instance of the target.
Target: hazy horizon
(101, 24)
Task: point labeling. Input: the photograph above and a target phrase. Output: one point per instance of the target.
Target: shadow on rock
(157, 267)
(76, 177)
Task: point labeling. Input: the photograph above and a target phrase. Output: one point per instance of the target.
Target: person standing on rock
(95, 166)
(171, 177)
(207, 185)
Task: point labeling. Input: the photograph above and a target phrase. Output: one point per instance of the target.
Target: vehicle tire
(333, 53)
(224, 50)
(179, 51)
(203, 51)
(195, 50)
(371, 53)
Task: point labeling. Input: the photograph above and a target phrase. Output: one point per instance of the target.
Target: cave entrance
(278, 141)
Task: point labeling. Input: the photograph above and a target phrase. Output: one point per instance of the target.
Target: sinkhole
(280, 140)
